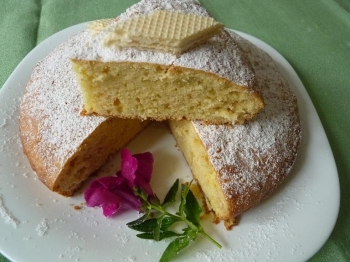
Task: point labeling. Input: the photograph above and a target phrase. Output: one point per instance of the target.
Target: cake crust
(238, 166)
(62, 146)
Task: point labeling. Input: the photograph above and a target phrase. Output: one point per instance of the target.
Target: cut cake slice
(212, 82)
(238, 166)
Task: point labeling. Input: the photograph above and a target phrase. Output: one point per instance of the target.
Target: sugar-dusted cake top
(219, 55)
(253, 158)
(51, 107)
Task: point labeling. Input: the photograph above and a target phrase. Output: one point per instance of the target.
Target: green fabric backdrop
(313, 35)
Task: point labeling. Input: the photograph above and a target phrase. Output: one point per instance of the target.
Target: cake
(63, 147)
(238, 166)
(211, 82)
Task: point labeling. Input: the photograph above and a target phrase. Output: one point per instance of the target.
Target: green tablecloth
(313, 35)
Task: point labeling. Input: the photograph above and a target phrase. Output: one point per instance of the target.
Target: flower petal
(99, 196)
(129, 200)
(110, 209)
(128, 167)
(144, 171)
(145, 166)
(116, 193)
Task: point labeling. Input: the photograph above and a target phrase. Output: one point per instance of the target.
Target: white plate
(38, 225)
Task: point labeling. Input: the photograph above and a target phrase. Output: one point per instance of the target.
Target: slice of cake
(238, 166)
(63, 147)
(212, 82)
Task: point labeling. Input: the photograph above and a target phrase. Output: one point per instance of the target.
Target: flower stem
(211, 239)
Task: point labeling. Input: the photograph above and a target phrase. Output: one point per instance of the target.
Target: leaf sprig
(157, 222)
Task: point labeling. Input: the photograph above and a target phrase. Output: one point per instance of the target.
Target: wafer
(161, 30)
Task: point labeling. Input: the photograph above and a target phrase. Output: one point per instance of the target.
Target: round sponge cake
(235, 165)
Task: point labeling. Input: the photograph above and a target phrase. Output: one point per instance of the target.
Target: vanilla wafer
(162, 30)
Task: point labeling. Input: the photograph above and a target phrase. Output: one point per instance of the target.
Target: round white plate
(38, 225)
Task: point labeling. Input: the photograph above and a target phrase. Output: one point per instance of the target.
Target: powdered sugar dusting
(42, 227)
(147, 6)
(259, 237)
(50, 121)
(4, 123)
(220, 55)
(7, 215)
(252, 159)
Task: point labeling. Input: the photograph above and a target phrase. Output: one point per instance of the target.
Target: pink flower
(116, 193)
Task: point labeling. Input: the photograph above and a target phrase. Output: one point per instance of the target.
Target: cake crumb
(77, 207)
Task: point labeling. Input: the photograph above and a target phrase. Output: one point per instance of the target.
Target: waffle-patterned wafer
(162, 30)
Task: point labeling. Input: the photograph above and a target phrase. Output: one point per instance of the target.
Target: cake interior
(159, 92)
(202, 170)
(105, 140)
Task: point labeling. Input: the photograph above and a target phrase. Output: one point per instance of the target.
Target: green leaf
(146, 235)
(167, 234)
(171, 195)
(177, 245)
(162, 235)
(139, 220)
(146, 226)
(192, 209)
(164, 223)
(184, 192)
(168, 222)
(155, 224)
